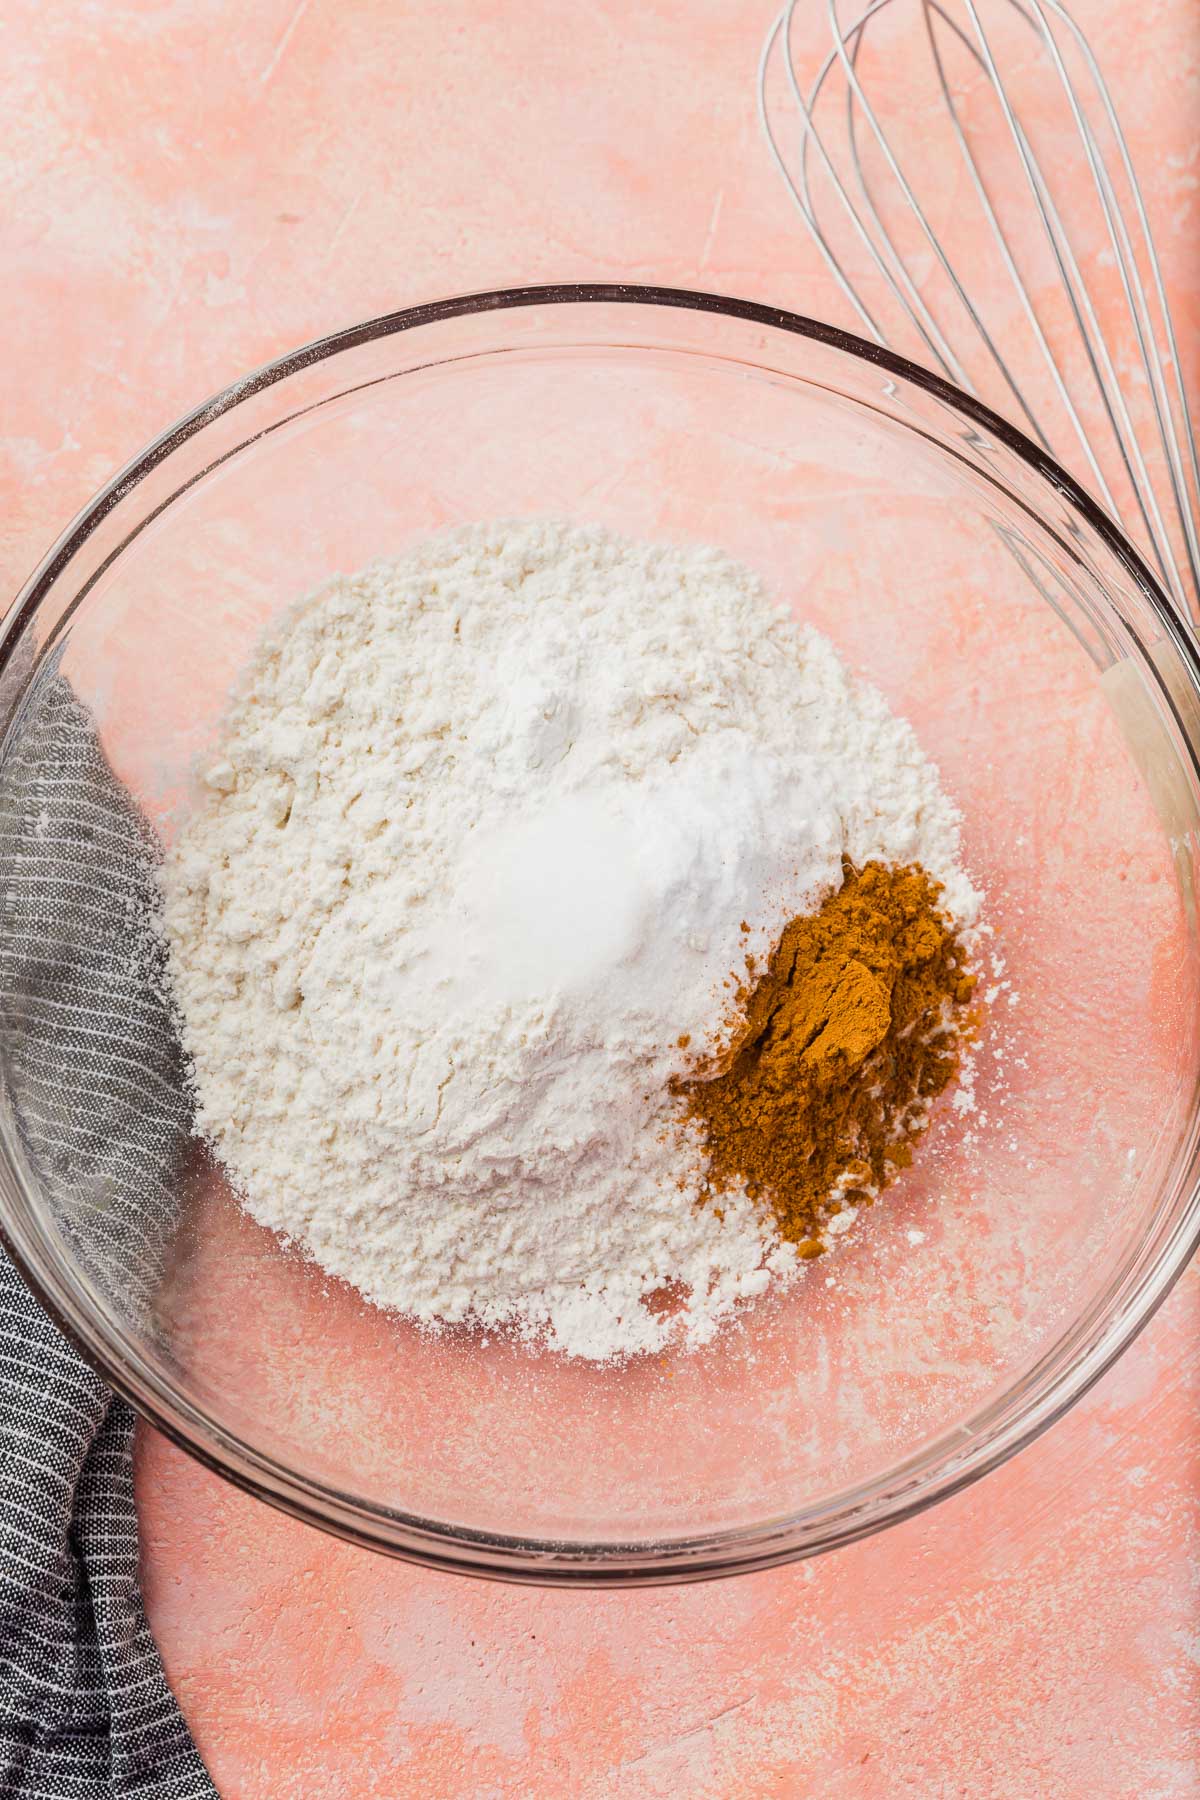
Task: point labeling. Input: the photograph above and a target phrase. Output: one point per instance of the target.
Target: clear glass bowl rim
(941, 1468)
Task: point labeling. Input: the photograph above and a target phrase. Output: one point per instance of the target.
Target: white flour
(475, 853)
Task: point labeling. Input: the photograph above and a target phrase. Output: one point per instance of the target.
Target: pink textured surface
(193, 187)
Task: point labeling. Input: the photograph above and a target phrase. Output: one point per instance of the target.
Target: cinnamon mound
(825, 1075)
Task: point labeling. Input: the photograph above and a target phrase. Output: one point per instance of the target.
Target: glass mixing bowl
(953, 564)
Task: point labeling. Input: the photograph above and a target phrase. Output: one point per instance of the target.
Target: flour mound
(472, 857)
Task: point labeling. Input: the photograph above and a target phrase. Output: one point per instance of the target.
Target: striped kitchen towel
(85, 1709)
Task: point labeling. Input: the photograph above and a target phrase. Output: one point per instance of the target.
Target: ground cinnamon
(824, 1077)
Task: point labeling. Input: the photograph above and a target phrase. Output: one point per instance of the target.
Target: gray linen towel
(92, 1079)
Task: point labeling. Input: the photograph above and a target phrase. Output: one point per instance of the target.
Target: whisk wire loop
(912, 288)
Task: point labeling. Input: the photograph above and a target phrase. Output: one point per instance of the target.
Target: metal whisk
(1075, 341)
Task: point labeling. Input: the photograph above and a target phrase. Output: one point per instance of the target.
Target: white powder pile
(474, 855)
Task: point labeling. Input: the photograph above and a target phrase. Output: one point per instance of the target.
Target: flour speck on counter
(492, 838)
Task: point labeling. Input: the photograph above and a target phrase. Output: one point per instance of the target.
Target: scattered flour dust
(472, 857)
